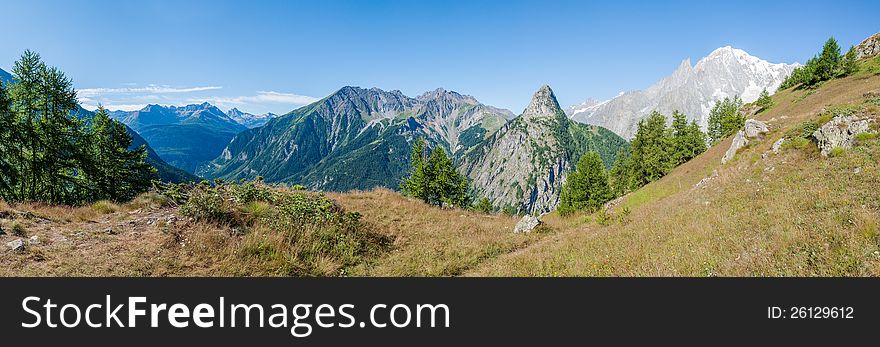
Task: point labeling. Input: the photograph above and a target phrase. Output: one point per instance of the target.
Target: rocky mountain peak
(543, 104)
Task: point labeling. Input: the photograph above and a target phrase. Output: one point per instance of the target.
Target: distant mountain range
(693, 90)
(356, 138)
(183, 136)
(250, 120)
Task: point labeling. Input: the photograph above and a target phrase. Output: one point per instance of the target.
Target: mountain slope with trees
(522, 166)
(185, 137)
(355, 138)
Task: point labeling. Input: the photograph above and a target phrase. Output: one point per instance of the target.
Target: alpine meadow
(152, 163)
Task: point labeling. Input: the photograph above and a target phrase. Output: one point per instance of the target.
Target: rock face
(751, 129)
(693, 90)
(869, 48)
(526, 224)
(355, 138)
(840, 132)
(524, 164)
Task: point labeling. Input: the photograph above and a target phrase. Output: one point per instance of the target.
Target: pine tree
(60, 136)
(764, 100)
(688, 139)
(10, 175)
(26, 104)
(116, 172)
(849, 64)
(725, 118)
(416, 184)
(619, 176)
(587, 187)
(434, 179)
(49, 155)
(828, 62)
(448, 187)
(651, 151)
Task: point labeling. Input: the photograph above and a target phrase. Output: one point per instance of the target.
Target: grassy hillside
(795, 213)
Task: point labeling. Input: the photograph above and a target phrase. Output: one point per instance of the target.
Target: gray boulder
(754, 128)
(16, 245)
(527, 224)
(840, 132)
(739, 141)
(777, 146)
(34, 240)
(751, 129)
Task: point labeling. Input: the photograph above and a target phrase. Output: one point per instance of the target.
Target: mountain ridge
(317, 145)
(691, 89)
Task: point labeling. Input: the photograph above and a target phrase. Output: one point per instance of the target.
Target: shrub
(604, 218)
(804, 131)
(205, 203)
(105, 207)
(18, 229)
(836, 152)
(484, 206)
(293, 232)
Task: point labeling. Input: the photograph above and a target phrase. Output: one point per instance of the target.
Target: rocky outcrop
(840, 132)
(526, 224)
(524, 164)
(869, 48)
(752, 129)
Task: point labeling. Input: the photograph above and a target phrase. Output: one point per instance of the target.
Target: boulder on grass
(527, 224)
(840, 132)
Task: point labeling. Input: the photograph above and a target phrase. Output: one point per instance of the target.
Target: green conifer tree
(764, 100)
(117, 172)
(586, 188)
(651, 151)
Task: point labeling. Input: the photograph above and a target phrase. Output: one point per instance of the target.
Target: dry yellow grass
(430, 241)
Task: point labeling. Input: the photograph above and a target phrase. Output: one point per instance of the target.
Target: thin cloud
(261, 97)
(150, 89)
(115, 107)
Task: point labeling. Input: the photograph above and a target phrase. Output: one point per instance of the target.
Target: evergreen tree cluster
(725, 118)
(433, 178)
(827, 65)
(49, 155)
(655, 150)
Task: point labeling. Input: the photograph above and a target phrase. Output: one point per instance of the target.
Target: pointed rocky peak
(543, 104)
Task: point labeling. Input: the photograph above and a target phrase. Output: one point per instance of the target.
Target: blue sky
(264, 56)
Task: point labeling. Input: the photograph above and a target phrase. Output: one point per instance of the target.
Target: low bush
(290, 231)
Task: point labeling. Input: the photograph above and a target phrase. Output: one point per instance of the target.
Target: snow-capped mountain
(248, 119)
(693, 90)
